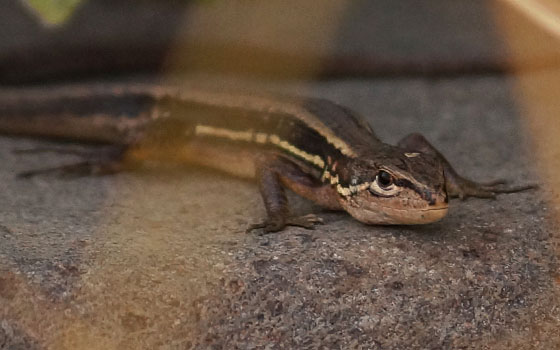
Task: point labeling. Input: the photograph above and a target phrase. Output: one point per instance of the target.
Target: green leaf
(54, 11)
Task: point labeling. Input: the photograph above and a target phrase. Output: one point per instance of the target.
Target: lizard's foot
(85, 168)
(456, 185)
(96, 162)
(278, 223)
(463, 188)
(81, 152)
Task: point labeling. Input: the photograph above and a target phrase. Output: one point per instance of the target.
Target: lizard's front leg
(274, 174)
(456, 185)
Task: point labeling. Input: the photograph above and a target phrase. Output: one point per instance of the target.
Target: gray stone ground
(159, 259)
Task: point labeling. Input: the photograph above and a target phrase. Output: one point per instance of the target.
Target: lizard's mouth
(400, 216)
(397, 211)
(417, 216)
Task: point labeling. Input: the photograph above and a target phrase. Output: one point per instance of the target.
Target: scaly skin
(318, 149)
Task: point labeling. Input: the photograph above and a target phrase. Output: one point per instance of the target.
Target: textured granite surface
(159, 259)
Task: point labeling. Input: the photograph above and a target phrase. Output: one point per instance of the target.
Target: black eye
(384, 179)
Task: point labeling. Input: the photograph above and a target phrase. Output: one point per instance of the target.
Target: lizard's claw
(278, 223)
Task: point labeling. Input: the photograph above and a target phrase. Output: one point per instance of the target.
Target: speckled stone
(159, 259)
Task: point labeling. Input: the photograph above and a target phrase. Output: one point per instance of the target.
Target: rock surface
(159, 258)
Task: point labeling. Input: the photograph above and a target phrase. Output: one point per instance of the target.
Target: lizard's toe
(277, 224)
(307, 221)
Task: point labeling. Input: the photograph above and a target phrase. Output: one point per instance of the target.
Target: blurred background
(387, 49)
(59, 40)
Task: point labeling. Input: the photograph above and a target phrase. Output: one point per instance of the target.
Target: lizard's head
(398, 188)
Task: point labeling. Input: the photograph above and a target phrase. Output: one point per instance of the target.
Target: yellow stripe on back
(252, 103)
(259, 137)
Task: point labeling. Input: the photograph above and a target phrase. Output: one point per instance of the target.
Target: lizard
(320, 150)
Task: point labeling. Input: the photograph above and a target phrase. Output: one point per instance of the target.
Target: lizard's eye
(384, 185)
(384, 179)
